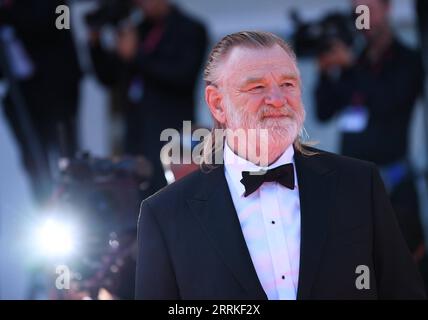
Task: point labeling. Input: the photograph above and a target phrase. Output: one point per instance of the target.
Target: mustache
(267, 112)
(239, 118)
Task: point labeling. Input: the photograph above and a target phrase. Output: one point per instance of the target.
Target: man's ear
(214, 99)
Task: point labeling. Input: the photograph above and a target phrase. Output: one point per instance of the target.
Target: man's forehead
(255, 62)
(258, 76)
(257, 56)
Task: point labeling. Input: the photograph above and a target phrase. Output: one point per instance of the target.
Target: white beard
(281, 132)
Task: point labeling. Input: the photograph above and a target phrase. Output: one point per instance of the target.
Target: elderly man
(314, 225)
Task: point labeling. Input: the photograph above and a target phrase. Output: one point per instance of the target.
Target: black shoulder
(335, 161)
(174, 194)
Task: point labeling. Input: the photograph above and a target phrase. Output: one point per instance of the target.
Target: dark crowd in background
(368, 81)
(374, 94)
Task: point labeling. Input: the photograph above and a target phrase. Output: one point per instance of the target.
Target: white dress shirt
(270, 223)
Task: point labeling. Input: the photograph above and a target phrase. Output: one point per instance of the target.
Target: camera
(315, 38)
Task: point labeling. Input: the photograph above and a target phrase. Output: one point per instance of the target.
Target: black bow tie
(253, 180)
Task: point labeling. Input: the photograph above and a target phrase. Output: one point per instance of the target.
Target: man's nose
(275, 97)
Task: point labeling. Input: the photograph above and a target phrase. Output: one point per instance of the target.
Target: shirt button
(283, 277)
(273, 222)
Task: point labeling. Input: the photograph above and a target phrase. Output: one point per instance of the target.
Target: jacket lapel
(213, 208)
(317, 185)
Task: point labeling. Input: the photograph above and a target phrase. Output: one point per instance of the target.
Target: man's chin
(282, 136)
(283, 129)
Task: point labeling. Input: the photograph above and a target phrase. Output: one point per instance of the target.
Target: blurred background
(81, 112)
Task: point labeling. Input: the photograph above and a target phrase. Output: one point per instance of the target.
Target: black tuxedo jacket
(191, 245)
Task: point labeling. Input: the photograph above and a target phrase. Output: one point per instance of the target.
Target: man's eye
(288, 85)
(256, 88)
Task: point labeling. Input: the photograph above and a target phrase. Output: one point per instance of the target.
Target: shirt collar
(234, 165)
